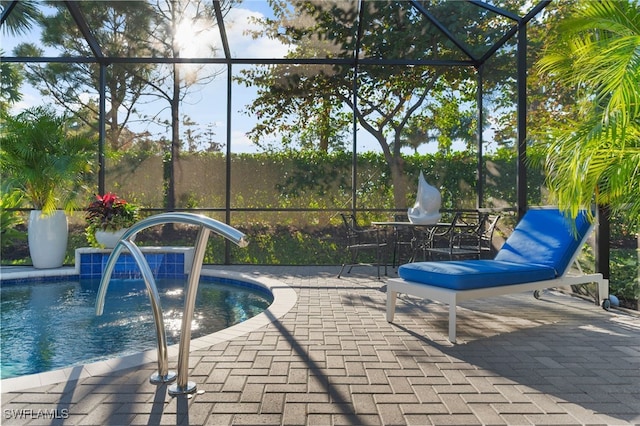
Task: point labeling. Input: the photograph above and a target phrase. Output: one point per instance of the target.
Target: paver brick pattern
(334, 360)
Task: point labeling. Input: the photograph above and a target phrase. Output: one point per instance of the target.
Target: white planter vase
(48, 237)
(109, 239)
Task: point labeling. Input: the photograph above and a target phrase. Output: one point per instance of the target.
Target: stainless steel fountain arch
(206, 224)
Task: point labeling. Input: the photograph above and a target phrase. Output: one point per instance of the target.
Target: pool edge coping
(284, 299)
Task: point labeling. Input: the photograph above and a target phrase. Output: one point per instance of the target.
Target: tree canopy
(401, 106)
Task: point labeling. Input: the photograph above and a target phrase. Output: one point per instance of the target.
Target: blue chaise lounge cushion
(470, 274)
(545, 237)
(541, 247)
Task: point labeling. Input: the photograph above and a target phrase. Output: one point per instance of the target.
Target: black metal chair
(473, 235)
(363, 240)
(438, 240)
(487, 250)
(465, 239)
(404, 240)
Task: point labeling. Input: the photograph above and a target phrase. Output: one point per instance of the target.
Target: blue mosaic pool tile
(162, 265)
(173, 265)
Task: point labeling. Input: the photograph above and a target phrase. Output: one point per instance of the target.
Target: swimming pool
(51, 325)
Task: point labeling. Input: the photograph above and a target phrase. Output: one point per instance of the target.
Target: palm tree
(23, 16)
(41, 157)
(595, 156)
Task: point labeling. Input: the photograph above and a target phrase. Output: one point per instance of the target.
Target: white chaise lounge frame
(453, 297)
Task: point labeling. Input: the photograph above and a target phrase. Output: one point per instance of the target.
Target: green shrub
(624, 274)
(10, 199)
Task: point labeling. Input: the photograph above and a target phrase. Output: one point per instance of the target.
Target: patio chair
(473, 237)
(465, 236)
(404, 240)
(537, 255)
(363, 240)
(439, 241)
(486, 237)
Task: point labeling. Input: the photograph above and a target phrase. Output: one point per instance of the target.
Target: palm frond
(596, 158)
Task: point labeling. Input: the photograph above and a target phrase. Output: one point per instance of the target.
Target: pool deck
(332, 359)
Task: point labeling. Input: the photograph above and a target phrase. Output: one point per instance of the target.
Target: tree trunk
(113, 134)
(399, 181)
(175, 139)
(325, 122)
(396, 166)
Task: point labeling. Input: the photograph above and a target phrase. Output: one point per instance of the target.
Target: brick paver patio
(334, 360)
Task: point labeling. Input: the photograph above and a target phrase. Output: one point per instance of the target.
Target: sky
(207, 105)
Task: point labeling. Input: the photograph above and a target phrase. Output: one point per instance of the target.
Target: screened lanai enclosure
(278, 113)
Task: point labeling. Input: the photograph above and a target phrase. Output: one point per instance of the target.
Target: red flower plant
(110, 213)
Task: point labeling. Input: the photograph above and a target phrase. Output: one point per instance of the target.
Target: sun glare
(196, 38)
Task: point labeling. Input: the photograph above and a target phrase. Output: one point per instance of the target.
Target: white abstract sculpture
(426, 211)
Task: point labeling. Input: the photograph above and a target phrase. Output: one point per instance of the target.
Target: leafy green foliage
(11, 76)
(44, 159)
(25, 14)
(323, 176)
(109, 212)
(595, 157)
(9, 219)
(287, 246)
(624, 279)
(311, 106)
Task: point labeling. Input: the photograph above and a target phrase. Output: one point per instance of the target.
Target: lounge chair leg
(452, 322)
(391, 304)
(603, 291)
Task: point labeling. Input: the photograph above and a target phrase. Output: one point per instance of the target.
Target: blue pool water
(51, 325)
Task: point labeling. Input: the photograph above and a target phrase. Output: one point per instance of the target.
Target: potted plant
(46, 160)
(108, 217)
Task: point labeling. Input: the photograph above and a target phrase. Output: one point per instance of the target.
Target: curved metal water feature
(206, 224)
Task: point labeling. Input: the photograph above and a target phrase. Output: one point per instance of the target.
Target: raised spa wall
(165, 262)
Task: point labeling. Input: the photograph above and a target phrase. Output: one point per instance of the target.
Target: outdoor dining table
(423, 233)
(410, 224)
